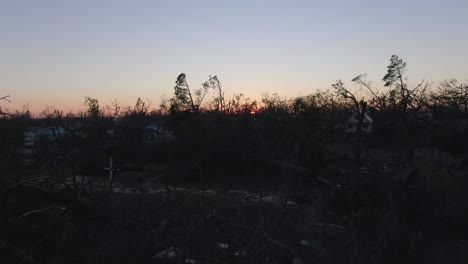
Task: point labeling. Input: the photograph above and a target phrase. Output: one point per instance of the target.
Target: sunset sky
(57, 52)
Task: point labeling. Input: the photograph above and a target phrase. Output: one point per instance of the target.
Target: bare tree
(141, 108)
(115, 108)
(359, 107)
(452, 94)
(276, 104)
(93, 107)
(240, 104)
(164, 106)
(219, 101)
(5, 98)
(200, 95)
(378, 100)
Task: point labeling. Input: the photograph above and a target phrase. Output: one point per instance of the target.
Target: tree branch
(5, 98)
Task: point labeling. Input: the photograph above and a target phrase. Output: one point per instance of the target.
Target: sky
(57, 52)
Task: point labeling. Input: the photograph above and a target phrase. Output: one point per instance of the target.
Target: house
(352, 123)
(34, 134)
(157, 133)
(34, 138)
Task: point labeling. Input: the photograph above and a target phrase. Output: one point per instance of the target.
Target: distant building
(157, 133)
(34, 134)
(34, 138)
(352, 124)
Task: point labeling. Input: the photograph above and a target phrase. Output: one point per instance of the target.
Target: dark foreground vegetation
(347, 175)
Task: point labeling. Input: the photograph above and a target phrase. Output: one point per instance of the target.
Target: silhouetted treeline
(274, 127)
(381, 170)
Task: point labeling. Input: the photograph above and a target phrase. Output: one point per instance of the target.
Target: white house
(352, 123)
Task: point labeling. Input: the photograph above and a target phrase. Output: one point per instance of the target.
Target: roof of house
(353, 119)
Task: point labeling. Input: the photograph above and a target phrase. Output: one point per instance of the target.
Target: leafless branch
(5, 98)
